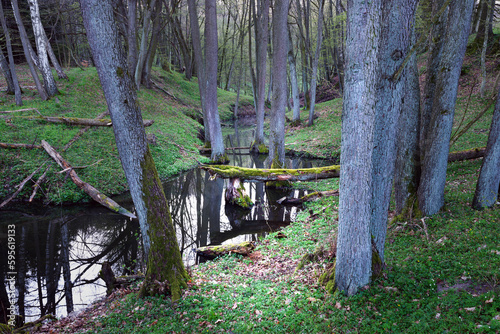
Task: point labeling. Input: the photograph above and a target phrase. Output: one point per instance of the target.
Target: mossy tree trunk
(165, 270)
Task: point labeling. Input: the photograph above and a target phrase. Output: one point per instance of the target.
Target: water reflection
(59, 250)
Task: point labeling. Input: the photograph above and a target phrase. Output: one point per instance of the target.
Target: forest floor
(442, 272)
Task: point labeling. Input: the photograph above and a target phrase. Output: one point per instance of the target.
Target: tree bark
(10, 70)
(77, 121)
(211, 47)
(487, 187)
(143, 51)
(41, 47)
(314, 76)
(131, 36)
(261, 22)
(53, 58)
(200, 66)
(354, 252)
(25, 41)
(293, 81)
(280, 91)
(4, 65)
(165, 270)
(437, 137)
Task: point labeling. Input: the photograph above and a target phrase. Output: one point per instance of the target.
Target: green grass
(81, 96)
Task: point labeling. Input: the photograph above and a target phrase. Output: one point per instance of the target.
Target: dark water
(59, 250)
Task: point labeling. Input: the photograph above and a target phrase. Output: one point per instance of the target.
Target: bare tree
(314, 77)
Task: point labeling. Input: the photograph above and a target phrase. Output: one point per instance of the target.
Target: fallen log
(90, 190)
(467, 154)
(19, 110)
(211, 252)
(307, 198)
(76, 121)
(17, 145)
(258, 174)
(209, 149)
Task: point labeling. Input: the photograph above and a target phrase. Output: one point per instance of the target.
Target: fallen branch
(90, 190)
(77, 121)
(211, 252)
(20, 187)
(257, 174)
(19, 110)
(209, 149)
(65, 170)
(467, 155)
(37, 184)
(307, 198)
(6, 145)
(82, 131)
(166, 92)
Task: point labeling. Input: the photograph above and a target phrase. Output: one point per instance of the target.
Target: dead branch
(19, 110)
(307, 198)
(18, 145)
(37, 183)
(82, 131)
(90, 190)
(20, 187)
(77, 121)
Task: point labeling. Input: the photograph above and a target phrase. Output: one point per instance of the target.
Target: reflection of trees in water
(55, 256)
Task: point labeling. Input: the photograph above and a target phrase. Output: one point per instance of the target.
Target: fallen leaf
(235, 305)
(489, 301)
(438, 315)
(470, 309)
(258, 312)
(311, 299)
(443, 239)
(391, 289)
(218, 321)
(288, 301)
(338, 306)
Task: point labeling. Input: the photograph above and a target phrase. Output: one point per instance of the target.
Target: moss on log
(76, 121)
(278, 174)
(211, 252)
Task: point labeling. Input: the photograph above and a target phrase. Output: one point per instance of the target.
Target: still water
(60, 249)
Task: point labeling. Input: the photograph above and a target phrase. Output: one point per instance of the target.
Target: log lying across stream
(262, 174)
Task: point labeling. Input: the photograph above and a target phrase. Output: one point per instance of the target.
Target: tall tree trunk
(143, 51)
(293, 80)
(261, 21)
(437, 138)
(211, 47)
(407, 173)
(489, 178)
(25, 41)
(4, 65)
(353, 268)
(280, 91)
(10, 69)
(398, 18)
(200, 66)
(164, 262)
(155, 36)
(314, 76)
(483, 53)
(41, 47)
(131, 36)
(53, 58)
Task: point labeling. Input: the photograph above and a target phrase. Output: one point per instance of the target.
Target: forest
(340, 160)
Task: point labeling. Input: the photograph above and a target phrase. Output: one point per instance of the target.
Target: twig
(37, 184)
(79, 167)
(425, 228)
(20, 187)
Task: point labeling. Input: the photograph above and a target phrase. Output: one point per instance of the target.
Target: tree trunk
(398, 18)
(261, 21)
(294, 82)
(143, 51)
(489, 177)
(483, 53)
(53, 58)
(4, 65)
(25, 41)
(41, 47)
(354, 251)
(437, 137)
(10, 69)
(200, 66)
(165, 270)
(280, 91)
(211, 47)
(314, 78)
(131, 36)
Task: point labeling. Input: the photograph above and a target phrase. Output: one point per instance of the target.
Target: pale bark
(198, 58)
(25, 41)
(53, 58)
(314, 78)
(354, 251)
(280, 90)
(41, 47)
(211, 47)
(487, 187)
(398, 18)
(164, 263)
(437, 137)
(293, 81)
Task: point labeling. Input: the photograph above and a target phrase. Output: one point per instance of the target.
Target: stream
(60, 249)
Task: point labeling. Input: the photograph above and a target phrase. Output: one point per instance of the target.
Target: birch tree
(41, 47)
(165, 270)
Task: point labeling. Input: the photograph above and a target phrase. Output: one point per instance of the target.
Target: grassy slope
(82, 96)
(443, 272)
